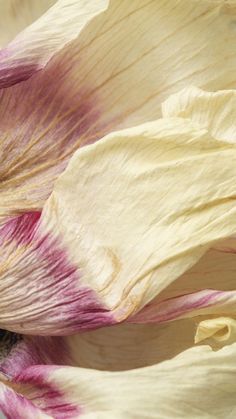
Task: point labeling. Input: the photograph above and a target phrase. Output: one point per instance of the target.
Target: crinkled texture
(32, 49)
(215, 112)
(171, 389)
(74, 256)
(104, 65)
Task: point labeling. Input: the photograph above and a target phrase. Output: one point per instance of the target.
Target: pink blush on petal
(43, 279)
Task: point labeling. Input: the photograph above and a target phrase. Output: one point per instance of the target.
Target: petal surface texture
(104, 66)
(171, 389)
(89, 255)
(17, 15)
(31, 50)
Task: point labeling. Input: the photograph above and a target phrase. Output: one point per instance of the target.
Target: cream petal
(222, 330)
(208, 288)
(97, 83)
(89, 255)
(215, 112)
(133, 55)
(32, 49)
(128, 241)
(197, 383)
(16, 15)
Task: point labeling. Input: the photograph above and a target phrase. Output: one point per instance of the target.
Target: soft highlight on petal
(74, 256)
(170, 389)
(32, 49)
(215, 112)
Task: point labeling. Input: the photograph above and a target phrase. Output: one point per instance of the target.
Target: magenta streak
(173, 308)
(36, 350)
(40, 395)
(15, 406)
(45, 394)
(59, 304)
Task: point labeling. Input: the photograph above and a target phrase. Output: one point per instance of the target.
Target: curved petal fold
(215, 112)
(89, 255)
(32, 49)
(92, 55)
(170, 389)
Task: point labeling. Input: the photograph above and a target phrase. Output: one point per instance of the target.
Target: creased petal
(18, 352)
(171, 389)
(31, 50)
(125, 58)
(222, 330)
(16, 15)
(215, 112)
(208, 288)
(89, 255)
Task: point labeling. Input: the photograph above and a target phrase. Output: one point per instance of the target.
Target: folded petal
(222, 330)
(31, 50)
(171, 389)
(215, 112)
(95, 58)
(112, 236)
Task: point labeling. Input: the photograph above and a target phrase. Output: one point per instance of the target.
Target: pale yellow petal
(129, 234)
(215, 112)
(222, 330)
(198, 383)
(16, 15)
(135, 54)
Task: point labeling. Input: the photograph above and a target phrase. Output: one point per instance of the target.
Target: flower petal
(221, 329)
(215, 112)
(18, 352)
(170, 389)
(15, 16)
(32, 49)
(96, 83)
(90, 256)
(134, 55)
(208, 288)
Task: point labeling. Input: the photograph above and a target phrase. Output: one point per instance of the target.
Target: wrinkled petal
(215, 112)
(110, 66)
(208, 288)
(222, 330)
(88, 258)
(16, 15)
(32, 49)
(18, 352)
(171, 389)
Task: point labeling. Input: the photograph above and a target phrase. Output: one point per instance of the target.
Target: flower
(136, 230)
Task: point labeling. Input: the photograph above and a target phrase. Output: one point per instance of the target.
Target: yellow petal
(137, 53)
(171, 389)
(32, 49)
(221, 329)
(112, 236)
(129, 234)
(215, 112)
(16, 15)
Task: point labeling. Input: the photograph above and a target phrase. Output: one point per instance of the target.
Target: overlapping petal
(88, 257)
(32, 49)
(197, 382)
(111, 65)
